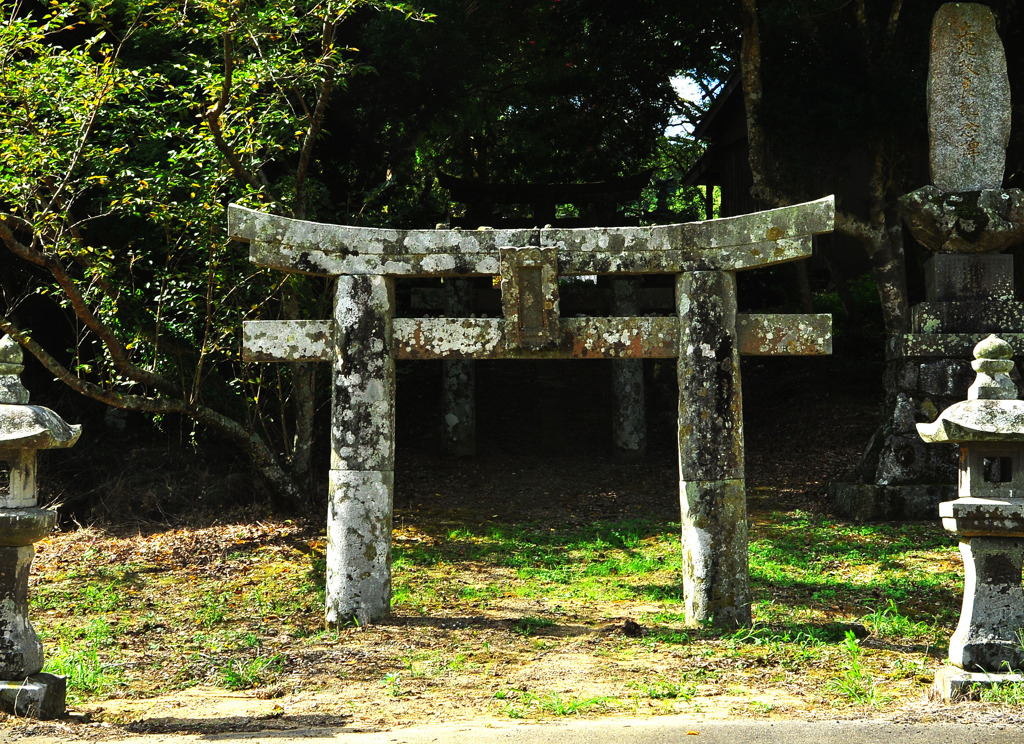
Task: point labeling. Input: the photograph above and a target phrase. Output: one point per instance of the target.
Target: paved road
(647, 731)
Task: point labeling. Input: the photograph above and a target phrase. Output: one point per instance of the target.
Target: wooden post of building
(716, 584)
(362, 474)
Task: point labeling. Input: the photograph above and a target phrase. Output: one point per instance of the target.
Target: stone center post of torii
(706, 336)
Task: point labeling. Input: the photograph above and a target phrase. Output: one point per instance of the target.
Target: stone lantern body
(24, 429)
(988, 517)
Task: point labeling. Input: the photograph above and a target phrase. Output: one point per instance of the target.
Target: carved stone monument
(964, 219)
(706, 335)
(988, 517)
(24, 429)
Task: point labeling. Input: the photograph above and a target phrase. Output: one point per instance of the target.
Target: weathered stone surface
(21, 651)
(34, 428)
(570, 262)
(943, 378)
(710, 406)
(23, 430)
(41, 696)
(579, 338)
(985, 640)
(287, 340)
(784, 335)
(989, 513)
(991, 412)
(906, 459)
(359, 546)
(458, 380)
(951, 277)
(967, 317)
(605, 338)
(21, 483)
(977, 421)
(458, 408)
(629, 414)
(968, 99)
(943, 345)
(970, 517)
(529, 296)
(736, 243)
(363, 407)
(965, 221)
(316, 239)
(716, 583)
(953, 684)
(716, 573)
(20, 527)
(11, 389)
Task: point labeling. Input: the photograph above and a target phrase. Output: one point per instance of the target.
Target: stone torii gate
(706, 336)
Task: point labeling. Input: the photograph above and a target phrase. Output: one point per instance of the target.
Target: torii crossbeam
(706, 336)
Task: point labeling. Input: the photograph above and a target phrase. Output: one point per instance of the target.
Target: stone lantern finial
(993, 361)
(11, 389)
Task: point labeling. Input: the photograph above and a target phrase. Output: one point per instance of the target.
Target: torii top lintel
(731, 244)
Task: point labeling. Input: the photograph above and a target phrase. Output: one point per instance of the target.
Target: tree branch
(213, 116)
(315, 124)
(263, 457)
(118, 353)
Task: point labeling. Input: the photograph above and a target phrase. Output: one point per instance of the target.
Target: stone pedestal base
(952, 683)
(986, 638)
(872, 503)
(40, 696)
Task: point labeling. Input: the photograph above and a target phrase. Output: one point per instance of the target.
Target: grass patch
(523, 704)
(477, 605)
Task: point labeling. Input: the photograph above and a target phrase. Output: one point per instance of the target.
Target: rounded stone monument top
(992, 412)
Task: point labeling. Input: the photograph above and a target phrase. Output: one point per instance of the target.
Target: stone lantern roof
(34, 428)
(24, 426)
(992, 412)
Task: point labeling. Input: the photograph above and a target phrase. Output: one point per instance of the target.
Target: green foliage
(129, 125)
(663, 689)
(244, 674)
(87, 674)
(529, 625)
(523, 703)
(856, 684)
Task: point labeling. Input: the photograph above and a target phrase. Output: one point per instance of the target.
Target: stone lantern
(24, 429)
(988, 517)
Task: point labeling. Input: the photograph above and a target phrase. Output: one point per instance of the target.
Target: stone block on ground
(41, 696)
(953, 684)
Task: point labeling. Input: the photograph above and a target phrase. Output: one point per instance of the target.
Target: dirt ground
(544, 456)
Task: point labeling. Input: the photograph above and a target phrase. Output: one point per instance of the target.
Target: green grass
(88, 675)
(664, 689)
(522, 704)
(855, 683)
(527, 589)
(243, 674)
